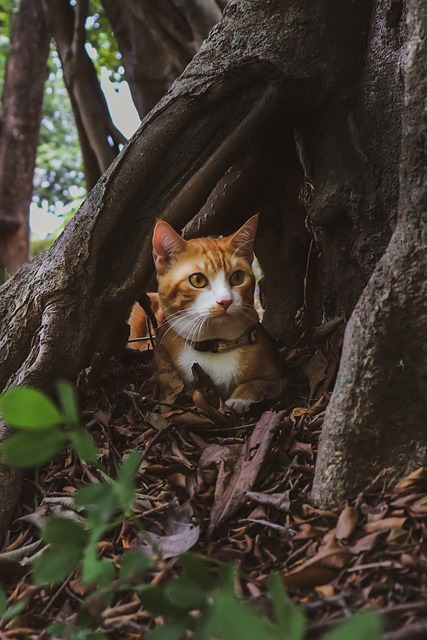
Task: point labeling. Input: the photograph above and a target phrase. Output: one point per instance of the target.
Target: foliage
(38, 421)
(59, 173)
(103, 47)
(6, 8)
(202, 585)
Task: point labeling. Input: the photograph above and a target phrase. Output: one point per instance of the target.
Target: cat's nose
(224, 303)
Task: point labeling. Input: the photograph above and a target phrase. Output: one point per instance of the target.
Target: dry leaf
(384, 525)
(412, 480)
(175, 533)
(280, 501)
(347, 522)
(321, 568)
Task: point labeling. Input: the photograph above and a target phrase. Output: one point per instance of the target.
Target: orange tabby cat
(206, 292)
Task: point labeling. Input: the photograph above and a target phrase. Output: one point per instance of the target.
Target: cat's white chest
(222, 368)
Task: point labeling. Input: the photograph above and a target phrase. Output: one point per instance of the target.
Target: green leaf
(233, 620)
(64, 531)
(185, 593)
(15, 609)
(198, 569)
(68, 401)
(58, 629)
(125, 483)
(3, 602)
(83, 444)
(169, 631)
(95, 570)
(133, 564)
(153, 599)
(99, 500)
(29, 408)
(359, 627)
(32, 449)
(55, 564)
(290, 618)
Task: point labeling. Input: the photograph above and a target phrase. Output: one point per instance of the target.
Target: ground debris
(235, 489)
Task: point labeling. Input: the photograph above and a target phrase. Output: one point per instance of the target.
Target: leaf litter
(233, 488)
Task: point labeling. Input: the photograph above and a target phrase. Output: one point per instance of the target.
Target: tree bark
(350, 151)
(376, 417)
(258, 71)
(98, 136)
(20, 117)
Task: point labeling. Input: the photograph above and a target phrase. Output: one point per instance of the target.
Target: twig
(56, 594)
(266, 523)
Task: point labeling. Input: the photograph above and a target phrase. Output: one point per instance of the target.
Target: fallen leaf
(315, 370)
(280, 501)
(412, 480)
(384, 525)
(320, 569)
(178, 533)
(347, 523)
(365, 543)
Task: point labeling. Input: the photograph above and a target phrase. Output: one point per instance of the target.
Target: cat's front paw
(239, 405)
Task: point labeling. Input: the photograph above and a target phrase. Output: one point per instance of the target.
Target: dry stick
(56, 594)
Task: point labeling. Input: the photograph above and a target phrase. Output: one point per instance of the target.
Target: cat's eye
(198, 280)
(237, 277)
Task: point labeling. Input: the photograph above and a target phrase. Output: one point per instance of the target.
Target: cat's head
(205, 284)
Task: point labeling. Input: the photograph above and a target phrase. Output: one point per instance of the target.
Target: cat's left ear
(243, 239)
(166, 244)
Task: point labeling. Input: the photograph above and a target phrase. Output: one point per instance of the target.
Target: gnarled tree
(280, 93)
(376, 417)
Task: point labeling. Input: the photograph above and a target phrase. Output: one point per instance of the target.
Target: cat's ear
(166, 243)
(243, 239)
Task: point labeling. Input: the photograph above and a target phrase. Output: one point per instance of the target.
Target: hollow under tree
(219, 146)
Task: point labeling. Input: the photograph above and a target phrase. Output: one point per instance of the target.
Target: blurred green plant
(200, 600)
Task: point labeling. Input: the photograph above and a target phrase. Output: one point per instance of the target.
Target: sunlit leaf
(68, 401)
(29, 408)
(83, 444)
(32, 449)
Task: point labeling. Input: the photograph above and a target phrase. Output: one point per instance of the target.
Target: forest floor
(235, 489)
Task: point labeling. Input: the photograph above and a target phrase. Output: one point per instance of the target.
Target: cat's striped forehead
(213, 254)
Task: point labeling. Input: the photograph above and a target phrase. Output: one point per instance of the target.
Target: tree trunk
(376, 417)
(258, 72)
(157, 41)
(98, 136)
(20, 117)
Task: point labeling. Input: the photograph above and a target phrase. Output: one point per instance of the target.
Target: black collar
(218, 345)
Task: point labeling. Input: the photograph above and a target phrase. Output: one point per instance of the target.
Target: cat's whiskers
(175, 318)
(196, 331)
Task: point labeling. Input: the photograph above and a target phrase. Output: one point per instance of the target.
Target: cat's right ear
(166, 243)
